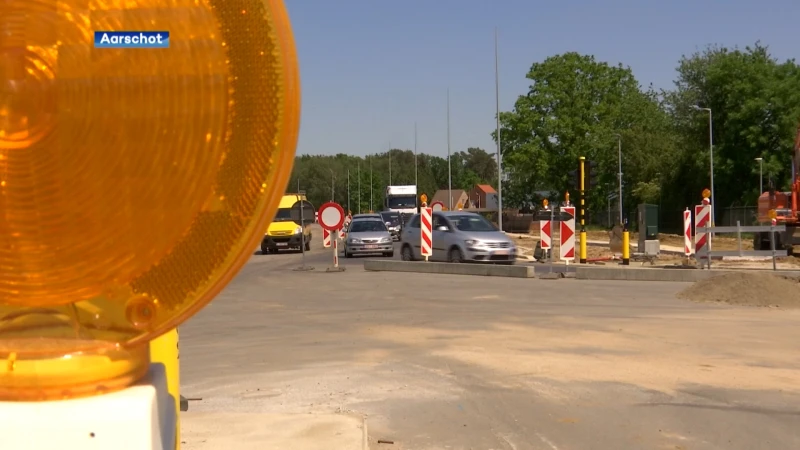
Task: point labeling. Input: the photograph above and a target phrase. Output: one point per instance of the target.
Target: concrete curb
(679, 275)
(489, 270)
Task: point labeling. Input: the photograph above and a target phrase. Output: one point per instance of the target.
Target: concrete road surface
(456, 362)
(321, 258)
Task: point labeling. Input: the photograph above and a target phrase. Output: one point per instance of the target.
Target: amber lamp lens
(134, 182)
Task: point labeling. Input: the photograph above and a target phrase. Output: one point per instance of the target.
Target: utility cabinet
(647, 224)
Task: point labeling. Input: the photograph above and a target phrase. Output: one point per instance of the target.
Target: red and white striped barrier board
(326, 238)
(567, 238)
(545, 234)
(316, 216)
(341, 233)
(702, 217)
(687, 232)
(426, 227)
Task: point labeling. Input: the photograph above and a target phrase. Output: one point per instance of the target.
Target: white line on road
(547, 441)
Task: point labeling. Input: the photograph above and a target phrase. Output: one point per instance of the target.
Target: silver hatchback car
(365, 236)
(459, 236)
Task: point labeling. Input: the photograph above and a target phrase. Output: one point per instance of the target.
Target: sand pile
(751, 289)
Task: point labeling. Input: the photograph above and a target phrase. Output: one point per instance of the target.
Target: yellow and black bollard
(583, 212)
(626, 244)
(164, 350)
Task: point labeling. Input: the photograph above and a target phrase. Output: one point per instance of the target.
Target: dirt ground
(746, 289)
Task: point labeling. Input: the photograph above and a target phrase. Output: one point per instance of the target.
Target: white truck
(401, 199)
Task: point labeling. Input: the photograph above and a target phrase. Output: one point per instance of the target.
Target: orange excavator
(783, 207)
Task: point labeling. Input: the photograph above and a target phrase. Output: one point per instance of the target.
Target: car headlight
(354, 241)
(384, 240)
(472, 242)
(298, 230)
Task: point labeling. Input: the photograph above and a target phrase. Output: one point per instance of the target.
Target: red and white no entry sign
(437, 206)
(331, 216)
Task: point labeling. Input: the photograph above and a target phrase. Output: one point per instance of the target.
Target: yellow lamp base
(33, 371)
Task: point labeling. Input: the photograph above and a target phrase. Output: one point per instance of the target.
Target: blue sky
(370, 69)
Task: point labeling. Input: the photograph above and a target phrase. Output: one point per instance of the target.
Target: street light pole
(416, 174)
(760, 175)
(348, 191)
(711, 157)
(358, 169)
(370, 186)
(449, 169)
(390, 163)
(332, 185)
(619, 151)
(499, 155)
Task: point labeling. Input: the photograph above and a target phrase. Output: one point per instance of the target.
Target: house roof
(441, 196)
(485, 188)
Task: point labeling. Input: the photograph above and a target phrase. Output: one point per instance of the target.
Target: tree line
(325, 177)
(579, 106)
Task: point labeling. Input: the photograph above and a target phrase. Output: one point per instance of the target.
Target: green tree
(755, 102)
(576, 106)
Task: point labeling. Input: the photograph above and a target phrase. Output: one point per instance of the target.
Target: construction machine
(783, 207)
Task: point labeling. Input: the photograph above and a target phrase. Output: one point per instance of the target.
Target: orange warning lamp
(706, 193)
(134, 183)
(423, 198)
(545, 203)
(773, 214)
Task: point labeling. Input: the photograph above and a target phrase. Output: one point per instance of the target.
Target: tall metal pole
(371, 209)
(711, 157)
(449, 169)
(332, 185)
(348, 191)
(619, 151)
(760, 175)
(390, 163)
(711, 152)
(499, 155)
(416, 175)
(358, 169)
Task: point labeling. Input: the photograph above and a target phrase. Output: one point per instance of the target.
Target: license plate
(282, 244)
(370, 246)
(501, 252)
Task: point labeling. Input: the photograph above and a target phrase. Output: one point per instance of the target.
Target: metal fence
(671, 221)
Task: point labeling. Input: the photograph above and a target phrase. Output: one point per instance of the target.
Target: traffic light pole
(582, 176)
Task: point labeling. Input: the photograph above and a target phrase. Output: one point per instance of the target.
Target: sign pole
(302, 237)
(301, 208)
(331, 218)
(550, 250)
(335, 247)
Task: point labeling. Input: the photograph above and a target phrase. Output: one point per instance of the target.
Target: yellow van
(283, 233)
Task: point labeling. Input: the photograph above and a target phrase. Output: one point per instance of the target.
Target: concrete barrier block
(490, 270)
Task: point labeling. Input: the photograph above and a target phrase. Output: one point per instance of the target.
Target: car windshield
(393, 219)
(402, 201)
(472, 223)
(284, 215)
(366, 226)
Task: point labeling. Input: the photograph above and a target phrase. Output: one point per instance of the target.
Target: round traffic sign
(331, 216)
(302, 212)
(437, 206)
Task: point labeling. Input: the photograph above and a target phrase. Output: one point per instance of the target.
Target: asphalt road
(456, 362)
(321, 258)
